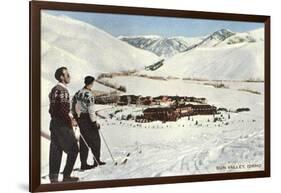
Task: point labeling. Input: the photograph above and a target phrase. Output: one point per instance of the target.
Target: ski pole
(115, 163)
(89, 148)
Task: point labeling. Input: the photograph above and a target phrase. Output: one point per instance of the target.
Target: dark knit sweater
(60, 104)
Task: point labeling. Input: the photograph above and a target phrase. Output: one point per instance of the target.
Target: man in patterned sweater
(62, 134)
(83, 110)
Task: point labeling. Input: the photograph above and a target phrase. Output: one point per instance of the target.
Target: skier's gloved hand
(74, 122)
(77, 133)
(96, 125)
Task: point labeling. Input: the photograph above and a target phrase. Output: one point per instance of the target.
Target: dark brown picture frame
(34, 111)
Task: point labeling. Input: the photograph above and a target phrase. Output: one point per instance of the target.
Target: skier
(62, 134)
(83, 110)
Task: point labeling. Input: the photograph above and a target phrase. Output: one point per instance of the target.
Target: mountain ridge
(168, 47)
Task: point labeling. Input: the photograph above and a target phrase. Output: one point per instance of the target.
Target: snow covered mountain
(215, 38)
(164, 47)
(238, 56)
(84, 50)
(168, 47)
(246, 37)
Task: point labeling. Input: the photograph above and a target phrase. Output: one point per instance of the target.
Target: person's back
(84, 109)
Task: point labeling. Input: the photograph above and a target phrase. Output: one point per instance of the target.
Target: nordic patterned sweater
(60, 104)
(83, 102)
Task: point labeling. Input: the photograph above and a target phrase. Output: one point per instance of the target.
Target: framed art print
(123, 96)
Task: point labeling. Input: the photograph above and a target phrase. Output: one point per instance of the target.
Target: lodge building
(173, 113)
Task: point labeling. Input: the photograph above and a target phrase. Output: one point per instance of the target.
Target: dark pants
(62, 139)
(91, 135)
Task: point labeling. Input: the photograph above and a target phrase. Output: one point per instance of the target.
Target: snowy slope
(236, 62)
(246, 37)
(238, 56)
(164, 47)
(181, 148)
(221, 55)
(215, 38)
(85, 50)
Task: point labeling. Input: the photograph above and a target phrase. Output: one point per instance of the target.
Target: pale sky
(128, 25)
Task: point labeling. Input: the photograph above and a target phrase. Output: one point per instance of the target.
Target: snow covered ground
(185, 147)
(182, 147)
(242, 61)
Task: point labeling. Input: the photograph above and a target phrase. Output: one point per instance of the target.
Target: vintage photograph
(137, 96)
